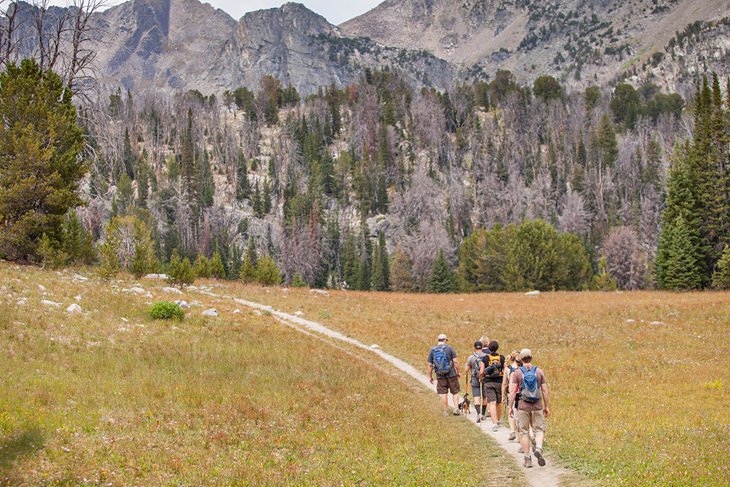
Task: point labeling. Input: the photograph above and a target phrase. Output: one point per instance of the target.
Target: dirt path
(547, 476)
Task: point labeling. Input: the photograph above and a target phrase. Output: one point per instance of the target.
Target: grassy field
(639, 382)
(108, 397)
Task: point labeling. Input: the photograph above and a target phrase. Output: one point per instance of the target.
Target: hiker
(442, 361)
(532, 408)
(491, 373)
(513, 361)
(471, 371)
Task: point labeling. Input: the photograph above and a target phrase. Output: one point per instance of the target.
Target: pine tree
(180, 272)
(267, 272)
(202, 266)
(76, 242)
(680, 266)
(721, 276)
(351, 264)
(206, 189)
(401, 272)
(40, 145)
(217, 270)
(442, 279)
(266, 199)
(381, 266)
(258, 206)
(250, 263)
(143, 261)
(243, 187)
(233, 270)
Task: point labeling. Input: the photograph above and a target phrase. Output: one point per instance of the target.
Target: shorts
(448, 384)
(477, 391)
(493, 391)
(527, 419)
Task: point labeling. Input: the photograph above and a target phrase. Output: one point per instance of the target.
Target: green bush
(164, 310)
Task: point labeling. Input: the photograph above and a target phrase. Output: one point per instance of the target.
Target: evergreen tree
(298, 281)
(40, 167)
(250, 263)
(206, 189)
(267, 272)
(217, 270)
(442, 279)
(243, 187)
(604, 281)
(202, 266)
(680, 268)
(266, 198)
(76, 242)
(128, 158)
(258, 206)
(351, 263)
(401, 272)
(180, 272)
(721, 276)
(381, 266)
(235, 265)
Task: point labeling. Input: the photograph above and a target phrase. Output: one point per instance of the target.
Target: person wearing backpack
(514, 360)
(530, 382)
(471, 371)
(491, 373)
(442, 362)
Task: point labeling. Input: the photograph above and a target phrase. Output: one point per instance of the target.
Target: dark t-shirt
(486, 361)
(450, 355)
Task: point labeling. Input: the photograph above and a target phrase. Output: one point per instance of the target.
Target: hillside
(578, 41)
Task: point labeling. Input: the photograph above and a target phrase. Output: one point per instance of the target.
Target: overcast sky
(336, 11)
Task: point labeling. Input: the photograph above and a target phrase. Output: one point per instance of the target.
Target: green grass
(110, 396)
(638, 380)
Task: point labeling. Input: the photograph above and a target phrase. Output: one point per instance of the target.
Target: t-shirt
(450, 355)
(517, 377)
(486, 361)
(473, 363)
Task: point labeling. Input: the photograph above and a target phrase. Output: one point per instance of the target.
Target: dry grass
(109, 397)
(640, 389)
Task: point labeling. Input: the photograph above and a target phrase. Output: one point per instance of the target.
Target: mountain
(579, 41)
(185, 44)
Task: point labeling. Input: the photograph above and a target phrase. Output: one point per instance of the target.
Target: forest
(492, 186)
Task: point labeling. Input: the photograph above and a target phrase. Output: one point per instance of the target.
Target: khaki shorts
(527, 419)
(448, 384)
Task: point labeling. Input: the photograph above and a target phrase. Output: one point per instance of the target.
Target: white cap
(526, 352)
(442, 337)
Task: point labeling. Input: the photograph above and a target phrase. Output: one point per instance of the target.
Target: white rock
(236, 311)
(657, 323)
(533, 293)
(156, 276)
(22, 302)
(125, 320)
(630, 321)
(80, 278)
(74, 308)
(172, 290)
(136, 290)
(51, 303)
(299, 313)
(41, 287)
(319, 291)
(148, 295)
(212, 313)
(77, 298)
(182, 303)
(192, 288)
(374, 346)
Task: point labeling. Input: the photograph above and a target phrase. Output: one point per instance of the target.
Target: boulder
(172, 290)
(50, 303)
(533, 293)
(182, 303)
(211, 313)
(74, 308)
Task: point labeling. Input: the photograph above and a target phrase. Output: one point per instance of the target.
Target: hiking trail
(547, 476)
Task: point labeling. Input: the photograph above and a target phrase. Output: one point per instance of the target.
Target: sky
(336, 11)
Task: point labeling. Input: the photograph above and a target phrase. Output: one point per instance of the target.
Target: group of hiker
(496, 381)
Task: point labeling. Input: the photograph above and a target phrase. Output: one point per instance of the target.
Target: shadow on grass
(18, 446)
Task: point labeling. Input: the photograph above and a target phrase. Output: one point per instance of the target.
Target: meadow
(106, 396)
(639, 383)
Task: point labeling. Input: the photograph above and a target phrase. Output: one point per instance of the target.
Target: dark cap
(493, 346)
(478, 345)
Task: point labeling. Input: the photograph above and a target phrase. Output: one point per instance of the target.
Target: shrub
(180, 272)
(297, 281)
(164, 310)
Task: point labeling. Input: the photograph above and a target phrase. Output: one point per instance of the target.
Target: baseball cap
(478, 344)
(442, 337)
(526, 352)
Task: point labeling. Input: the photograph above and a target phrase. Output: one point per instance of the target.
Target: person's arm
(430, 372)
(481, 370)
(456, 367)
(504, 388)
(512, 392)
(467, 368)
(545, 398)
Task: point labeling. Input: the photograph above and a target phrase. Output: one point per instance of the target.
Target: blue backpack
(441, 362)
(530, 390)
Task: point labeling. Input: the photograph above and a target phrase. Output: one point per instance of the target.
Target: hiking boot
(445, 413)
(528, 461)
(512, 436)
(540, 458)
(479, 419)
(495, 427)
(520, 449)
(457, 412)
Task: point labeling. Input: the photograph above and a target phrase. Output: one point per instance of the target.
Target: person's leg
(455, 388)
(523, 433)
(442, 388)
(512, 426)
(538, 424)
(444, 402)
(492, 397)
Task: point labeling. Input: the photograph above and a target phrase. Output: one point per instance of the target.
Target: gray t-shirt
(450, 355)
(473, 363)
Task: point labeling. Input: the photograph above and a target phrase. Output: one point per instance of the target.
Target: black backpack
(494, 369)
